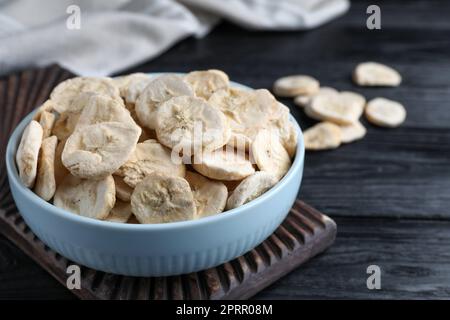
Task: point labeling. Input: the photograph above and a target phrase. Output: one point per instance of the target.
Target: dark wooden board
(305, 232)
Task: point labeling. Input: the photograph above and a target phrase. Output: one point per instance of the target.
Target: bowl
(155, 249)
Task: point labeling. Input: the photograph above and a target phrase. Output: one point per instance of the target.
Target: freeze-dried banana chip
(46, 106)
(121, 212)
(155, 93)
(251, 188)
(28, 152)
(97, 150)
(385, 113)
(285, 130)
(376, 74)
(247, 111)
(131, 85)
(100, 108)
(339, 109)
(88, 198)
(269, 153)
(65, 92)
(45, 181)
(191, 124)
(295, 85)
(149, 156)
(352, 132)
(354, 99)
(303, 100)
(67, 121)
(324, 135)
(223, 165)
(47, 120)
(123, 191)
(161, 198)
(210, 196)
(206, 82)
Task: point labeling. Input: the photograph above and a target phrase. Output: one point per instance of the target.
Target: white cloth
(117, 34)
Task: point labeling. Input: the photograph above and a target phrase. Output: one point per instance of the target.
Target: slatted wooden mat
(305, 232)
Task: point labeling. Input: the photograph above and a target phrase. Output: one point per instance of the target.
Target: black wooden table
(389, 193)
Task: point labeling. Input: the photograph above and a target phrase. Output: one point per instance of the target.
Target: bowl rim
(13, 176)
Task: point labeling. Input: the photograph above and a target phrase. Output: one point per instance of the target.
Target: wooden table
(389, 193)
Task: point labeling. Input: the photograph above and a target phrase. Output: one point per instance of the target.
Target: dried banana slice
(47, 120)
(28, 152)
(45, 181)
(251, 188)
(352, 98)
(246, 110)
(352, 132)
(123, 83)
(161, 198)
(295, 85)
(303, 100)
(205, 83)
(121, 212)
(210, 196)
(286, 131)
(100, 108)
(269, 153)
(65, 125)
(88, 198)
(123, 191)
(223, 165)
(149, 156)
(191, 124)
(46, 106)
(334, 108)
(324, 135)
(376, 74)
(385, 113)
(155, 93)
(97, 150)
(65, 92)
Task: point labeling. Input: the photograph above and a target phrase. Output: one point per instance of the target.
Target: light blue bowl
(155, 249)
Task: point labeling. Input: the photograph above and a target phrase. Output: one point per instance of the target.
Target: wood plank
(414, 257)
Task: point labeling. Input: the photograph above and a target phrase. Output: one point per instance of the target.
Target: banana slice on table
(210, 196)
(376, 74)
(206, 82)
(88, 198)
(223, 165)
(45, 186)
(96, 151)
(155, 93)
(322, 136)
(191, 124)
(303, 100)
(65, 92)
(269, 153)
(295, 85)
(149, 156)
(28, 152)
(385, 113)
(161, 198)
(352, 132)
(344, 109)
(251, 188)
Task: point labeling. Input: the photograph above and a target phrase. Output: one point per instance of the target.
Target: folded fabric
(117, 34)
